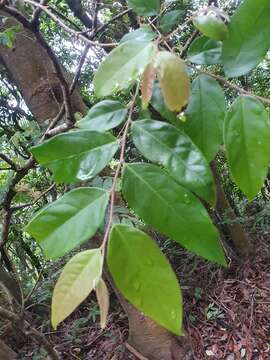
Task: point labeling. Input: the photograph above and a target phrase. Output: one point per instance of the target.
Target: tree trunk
(33, 73)
(148, 338)
(153, 341)
(237, 234)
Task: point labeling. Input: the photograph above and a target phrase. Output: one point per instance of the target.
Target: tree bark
(33, 73)
(237, 234)
(153, 341)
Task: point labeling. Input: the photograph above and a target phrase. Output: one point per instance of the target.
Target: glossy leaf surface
(149, 282)
(123, 66)
(173, 79)
(170, 20)
(145, 8)
(69, 221)
(171, 209)
(249, 37)
(205, 114)
(211, 26)
(247, 142)
(78, 278)
(144, 33)
(159, 105)
(205, 51)
(77, 155)
(104, 116)
(164, 144)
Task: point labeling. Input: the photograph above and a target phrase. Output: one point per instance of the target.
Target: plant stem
(118, 169)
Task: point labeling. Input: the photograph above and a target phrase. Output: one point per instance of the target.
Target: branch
(71, 89)
(77, 9)
(217, 77)
(37, 13)
(19, 207)
(77, 35)
(118, 169)
(13, 166)
(26, 328)
(188, 43)
(6, 202)
(104, 26)
(227, 83)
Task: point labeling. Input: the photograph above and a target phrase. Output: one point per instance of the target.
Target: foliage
(178, 130)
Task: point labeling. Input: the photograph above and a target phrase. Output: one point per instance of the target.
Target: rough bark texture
(153, 341)
(32, 71)
(237, 234)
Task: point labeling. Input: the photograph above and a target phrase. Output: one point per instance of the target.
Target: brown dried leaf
(147, 84)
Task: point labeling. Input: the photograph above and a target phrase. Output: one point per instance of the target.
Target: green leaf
(159, 105)
(77, 155)
(170, 20)
(211, 26)
(205, 51)
(149, 282)
(171, 209)
(144, 33)
(247, 142)
(249, 38)
(78, 278)
(166, 145)
(69, 221)
(104, 116)
(145, 8)
(205, 114)
(123, 66)
(173, 79)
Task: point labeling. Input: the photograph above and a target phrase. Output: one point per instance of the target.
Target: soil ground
(227, 314)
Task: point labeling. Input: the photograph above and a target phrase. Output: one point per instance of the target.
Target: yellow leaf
(78, 278)
(174, 80)
(147, 84)
(103, 298)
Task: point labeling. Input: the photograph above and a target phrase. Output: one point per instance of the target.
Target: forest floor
(227, 314)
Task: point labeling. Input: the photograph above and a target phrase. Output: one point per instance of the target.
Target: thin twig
(37, 13)
(28, 297)
(22, 206)
(118, 169)
(13, 166)
(188, 43)
(71, 89)
(231, 85)
(26, 328)
(104, 26)
(67, 28)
